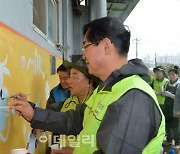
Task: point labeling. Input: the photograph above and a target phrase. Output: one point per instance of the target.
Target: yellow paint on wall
(24, 67)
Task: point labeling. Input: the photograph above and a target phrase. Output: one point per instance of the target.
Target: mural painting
(24, 67)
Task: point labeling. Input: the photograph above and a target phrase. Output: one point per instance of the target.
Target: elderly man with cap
(81, 86)
(159, 83)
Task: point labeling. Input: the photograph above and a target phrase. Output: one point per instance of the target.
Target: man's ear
(107, 46)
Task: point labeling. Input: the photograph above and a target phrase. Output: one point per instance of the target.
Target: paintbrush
(17, 96)
(13, 97)
(4, 107)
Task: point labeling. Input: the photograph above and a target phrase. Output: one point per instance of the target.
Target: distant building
(162, 60)
(169, 59)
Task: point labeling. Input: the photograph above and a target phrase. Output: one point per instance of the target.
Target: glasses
(84, 47)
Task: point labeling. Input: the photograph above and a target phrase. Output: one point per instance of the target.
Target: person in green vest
(122, 116)
(81, 86)
(159, 83)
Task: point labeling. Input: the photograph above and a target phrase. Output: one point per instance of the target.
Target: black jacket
(128, 125)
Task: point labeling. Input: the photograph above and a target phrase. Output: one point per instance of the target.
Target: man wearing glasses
(122, 115)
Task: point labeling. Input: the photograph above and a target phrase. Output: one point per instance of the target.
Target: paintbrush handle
(16, 96)
(4, 107)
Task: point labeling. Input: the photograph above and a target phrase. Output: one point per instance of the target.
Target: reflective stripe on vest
(156, 87)
(70, 103)
(97, 106)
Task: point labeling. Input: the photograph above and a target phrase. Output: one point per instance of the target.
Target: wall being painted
(25, 67)
(25, 62)
(18, 14)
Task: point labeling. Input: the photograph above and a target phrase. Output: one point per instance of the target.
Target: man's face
(173, 76)
(159, 74)
(93, 54)
(63, 79)
(78, 82)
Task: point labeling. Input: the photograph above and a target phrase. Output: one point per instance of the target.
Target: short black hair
(175, 70)
(111, 28)
(62, 69)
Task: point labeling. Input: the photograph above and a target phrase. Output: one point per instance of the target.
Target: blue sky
(156, 23)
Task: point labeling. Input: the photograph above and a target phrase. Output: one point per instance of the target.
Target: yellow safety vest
(156, 87)
(64, 140)
(70, 103)
(97, 106)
